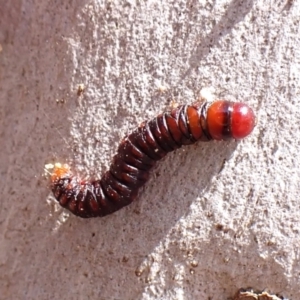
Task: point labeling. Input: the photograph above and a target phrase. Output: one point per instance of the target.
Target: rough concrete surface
(214, 217)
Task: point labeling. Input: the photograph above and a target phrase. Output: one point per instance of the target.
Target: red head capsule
(226, 120)
(242, 120)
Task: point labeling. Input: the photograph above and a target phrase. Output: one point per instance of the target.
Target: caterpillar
(139, 151)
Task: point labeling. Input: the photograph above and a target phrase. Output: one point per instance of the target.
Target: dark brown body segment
(138, 153)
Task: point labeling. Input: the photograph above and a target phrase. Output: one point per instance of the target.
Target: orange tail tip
(58, 171)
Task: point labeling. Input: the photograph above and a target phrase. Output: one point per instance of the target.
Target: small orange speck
(60, 171)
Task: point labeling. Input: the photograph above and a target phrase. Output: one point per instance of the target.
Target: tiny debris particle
(194, 263)
(173, 104)
(60, 101)
(252, 295)
(219, 227)
(125, 259)
(80, 89)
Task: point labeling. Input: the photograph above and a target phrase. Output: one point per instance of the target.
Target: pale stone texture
(214, 217)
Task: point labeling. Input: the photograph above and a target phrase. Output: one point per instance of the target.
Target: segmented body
(139, 151)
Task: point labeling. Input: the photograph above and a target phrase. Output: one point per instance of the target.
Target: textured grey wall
(214, 217)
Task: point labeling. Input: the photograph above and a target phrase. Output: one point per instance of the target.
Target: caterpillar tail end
(60, 171)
